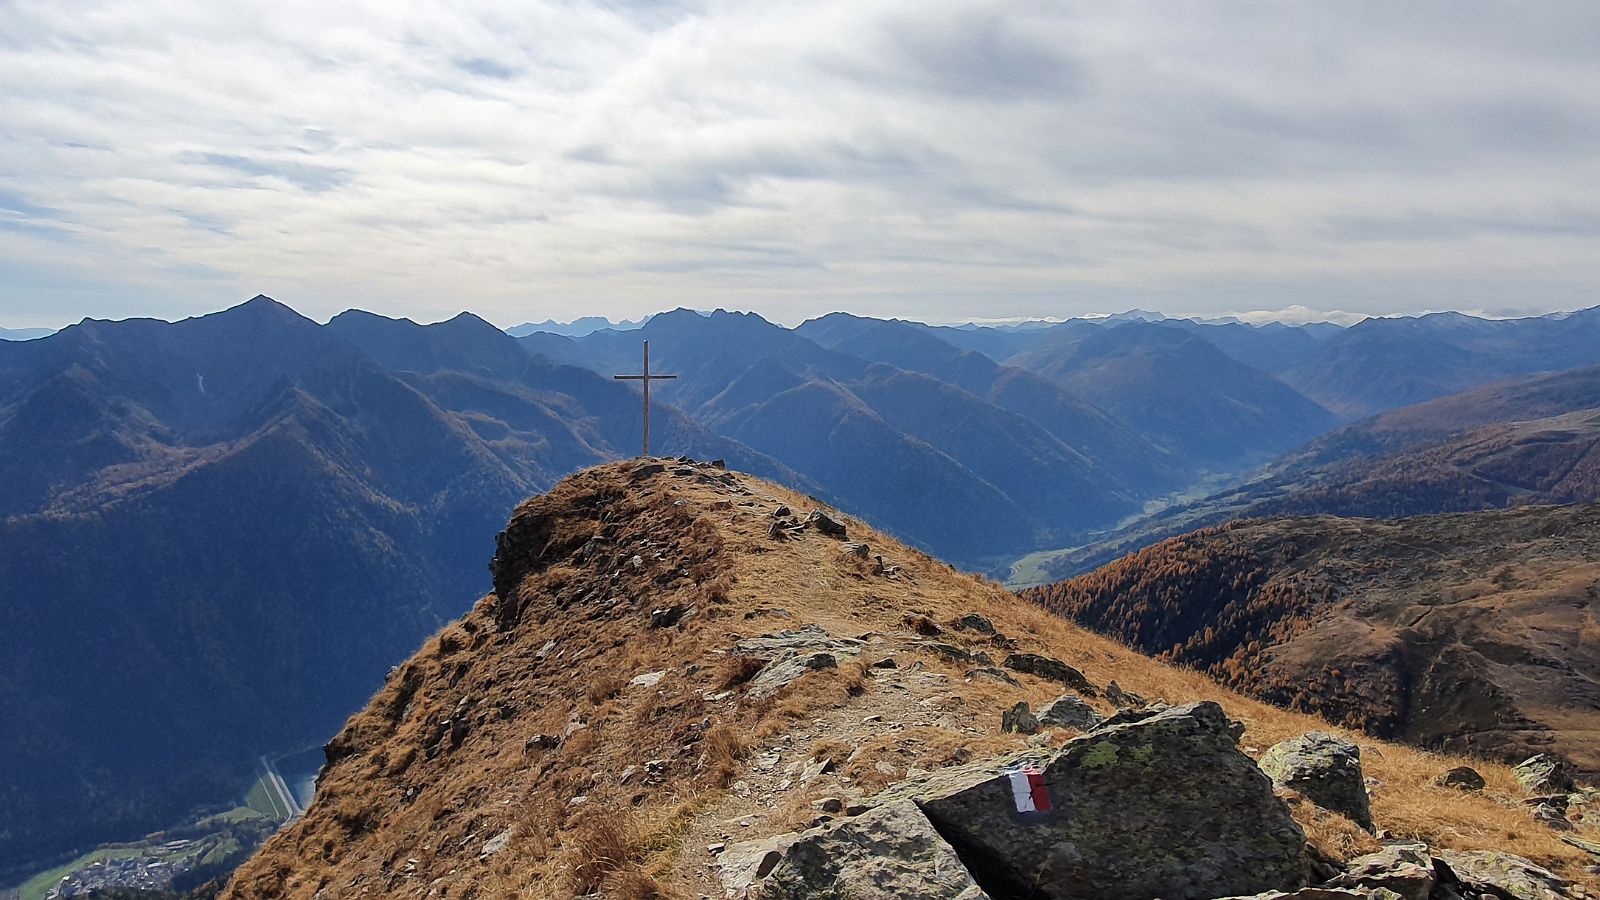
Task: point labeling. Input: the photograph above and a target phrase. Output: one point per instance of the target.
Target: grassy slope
(264, 800)
(410, 798)
(1463, 630)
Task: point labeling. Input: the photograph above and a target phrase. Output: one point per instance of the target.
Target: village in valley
(205, 847)
(145, 872)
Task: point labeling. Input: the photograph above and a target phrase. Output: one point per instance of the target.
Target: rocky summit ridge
(692, 683)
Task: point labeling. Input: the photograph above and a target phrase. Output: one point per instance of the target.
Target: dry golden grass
(724, 748)
(1334, 835)
(795, 813)
(632, 884)
(830, 750)
(604, 843)
(389, 797)
(853, 677)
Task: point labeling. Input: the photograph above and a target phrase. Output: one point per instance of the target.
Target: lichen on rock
(1324, 768)
(1166, 806)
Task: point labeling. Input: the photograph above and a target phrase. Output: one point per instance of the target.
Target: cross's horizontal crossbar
(641, 377)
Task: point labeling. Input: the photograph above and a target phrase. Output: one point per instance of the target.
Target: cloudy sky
(943, 161)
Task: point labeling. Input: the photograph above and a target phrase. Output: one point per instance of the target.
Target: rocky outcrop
(974, 622)
(1159, 804)
(791, 654)
(956, 654)
(1068, 711)
(992, 673)
(1326, 770)
(889, 852)
(1544, 775)
(1413, 872)
(1163, 807)
(1052, 669)
(1406, 869)
(1551, 811)
(1502, 875)
(1123, 699)
(826, 524)
(1019, 719)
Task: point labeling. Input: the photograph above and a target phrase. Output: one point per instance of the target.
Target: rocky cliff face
(687, 685)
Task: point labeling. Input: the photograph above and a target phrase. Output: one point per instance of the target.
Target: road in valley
(280, 790)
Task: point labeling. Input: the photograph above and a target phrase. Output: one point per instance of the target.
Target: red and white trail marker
(1028, 790)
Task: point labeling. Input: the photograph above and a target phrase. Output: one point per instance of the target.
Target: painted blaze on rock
(1164, 807)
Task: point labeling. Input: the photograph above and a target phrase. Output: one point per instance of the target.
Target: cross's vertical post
(645, 378)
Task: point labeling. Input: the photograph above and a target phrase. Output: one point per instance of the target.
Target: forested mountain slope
(1525, 441)
(1474, 632)
(219, 533)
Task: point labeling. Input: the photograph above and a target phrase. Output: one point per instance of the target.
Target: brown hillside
(1473, 632)
(521, 754)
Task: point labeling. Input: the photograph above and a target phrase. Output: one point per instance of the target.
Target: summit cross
(646, 378)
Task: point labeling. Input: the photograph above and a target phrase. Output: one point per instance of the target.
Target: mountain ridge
(643, 651)
(411, 440)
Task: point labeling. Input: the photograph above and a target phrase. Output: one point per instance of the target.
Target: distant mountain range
(1525, 441)
(576, 328)
(24, 334)
(218, 533)
(1171, 384)
(1381, 364)
(1062, 440)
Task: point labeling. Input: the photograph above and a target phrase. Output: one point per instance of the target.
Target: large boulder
(1019, 719)
(1544, 775)
(1463, 778)
(892, 851)
(1163, 807)
(1068, 711)
(1503, 875)
(1326, 770)
(1406, 869)
(1319, 894)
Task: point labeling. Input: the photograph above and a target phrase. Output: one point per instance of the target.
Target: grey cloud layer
(936, 159)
